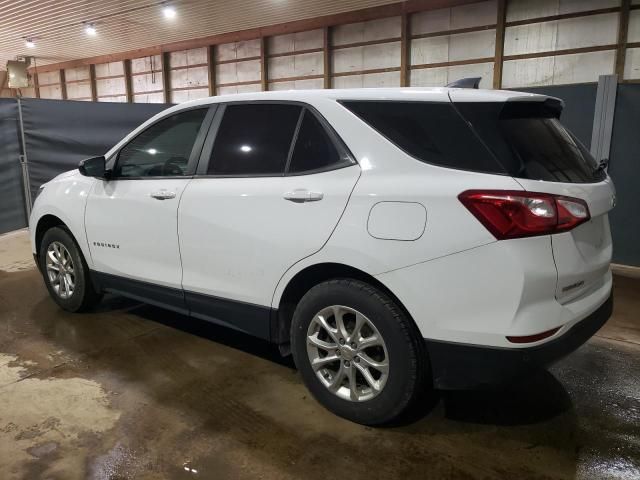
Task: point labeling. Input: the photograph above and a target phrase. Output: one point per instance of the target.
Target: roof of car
(435, 94)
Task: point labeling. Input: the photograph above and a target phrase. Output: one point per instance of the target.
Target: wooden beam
(295, 52)
(128, 87)
(623, 33)
(455, 31)
(5, 85)
(405, 41)
(293, 79)
(236, 60)
(264, 65)
(185, 67)
(92, 83)
(36, 83)
(108, 77)
(563, 16)
(498, 61)
(166, 77)
(211, 69)
(326, 56)
(371, 13)
(364, 72)
(555, 53)
(367, 43)
(63, 84)
(237, 84)
(452, 63)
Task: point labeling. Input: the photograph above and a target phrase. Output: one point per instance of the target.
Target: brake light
(517, 214)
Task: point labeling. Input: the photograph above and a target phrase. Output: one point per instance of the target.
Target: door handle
(163, 195)
(302, 195)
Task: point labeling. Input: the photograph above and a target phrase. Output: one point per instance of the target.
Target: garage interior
(134, 391)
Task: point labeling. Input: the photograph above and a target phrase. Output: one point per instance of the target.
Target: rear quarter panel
(390, 175)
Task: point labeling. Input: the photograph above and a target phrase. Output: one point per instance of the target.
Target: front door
(131, 219)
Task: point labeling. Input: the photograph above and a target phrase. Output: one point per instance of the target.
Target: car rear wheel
(358, 352)
(65, 271)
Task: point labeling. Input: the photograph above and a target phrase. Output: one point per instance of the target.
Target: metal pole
(24, 164)
(603, 116)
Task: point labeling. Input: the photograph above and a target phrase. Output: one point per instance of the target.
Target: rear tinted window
(254, 139)
(431, 132)
(314, 150)
(530, 142)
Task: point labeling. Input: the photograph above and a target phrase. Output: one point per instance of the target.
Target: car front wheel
(65, 271)
(358, 352)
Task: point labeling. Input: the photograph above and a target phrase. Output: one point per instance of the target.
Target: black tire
(84, 295)
(408, 363)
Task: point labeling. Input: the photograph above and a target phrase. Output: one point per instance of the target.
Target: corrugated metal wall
(546, 42)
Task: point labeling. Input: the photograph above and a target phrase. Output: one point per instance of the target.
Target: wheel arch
(306, 279)
(47, 222)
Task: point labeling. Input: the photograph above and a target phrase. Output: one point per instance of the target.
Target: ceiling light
(30, 43)
(90, 29)
(168, 11)
(245, 148)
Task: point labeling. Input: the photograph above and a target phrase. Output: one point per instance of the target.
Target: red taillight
(516, 214)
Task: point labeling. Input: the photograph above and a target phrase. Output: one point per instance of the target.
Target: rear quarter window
(430, 132)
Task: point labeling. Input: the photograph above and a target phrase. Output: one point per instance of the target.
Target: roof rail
(471, 82)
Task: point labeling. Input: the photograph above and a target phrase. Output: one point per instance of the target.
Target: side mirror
(93, 167)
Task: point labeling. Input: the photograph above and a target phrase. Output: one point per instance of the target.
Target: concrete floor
(132, 391)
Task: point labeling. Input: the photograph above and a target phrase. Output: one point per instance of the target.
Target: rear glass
(530, 142)
(430, 132)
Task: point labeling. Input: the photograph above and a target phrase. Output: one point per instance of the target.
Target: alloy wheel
(347, 353)
(60, 270)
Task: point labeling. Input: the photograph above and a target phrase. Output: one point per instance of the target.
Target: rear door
(543, 156)
(269, 193)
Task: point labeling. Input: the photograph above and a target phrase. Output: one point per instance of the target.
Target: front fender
(64, 197)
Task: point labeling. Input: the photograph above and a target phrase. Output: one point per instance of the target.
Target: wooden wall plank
(623, 32)
(405, 45)
(128, 88)
(211, 61)
(326, 49)
(166, 77)
(92, 83)
(499, 55)
(63, 85)
(264, 65)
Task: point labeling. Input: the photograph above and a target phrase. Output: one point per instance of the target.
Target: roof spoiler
(471, 82)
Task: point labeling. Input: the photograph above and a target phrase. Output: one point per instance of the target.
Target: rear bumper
(457, 366)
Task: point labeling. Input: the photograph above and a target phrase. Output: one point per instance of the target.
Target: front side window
(254, 139)
(163, 149)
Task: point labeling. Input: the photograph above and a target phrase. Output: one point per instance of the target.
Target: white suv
(391, 239)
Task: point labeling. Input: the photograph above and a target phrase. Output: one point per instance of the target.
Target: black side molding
(246, 317)
(160, 296)
(253, 319)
